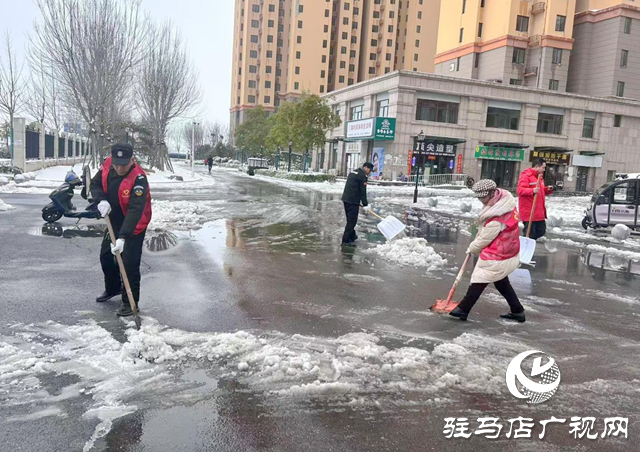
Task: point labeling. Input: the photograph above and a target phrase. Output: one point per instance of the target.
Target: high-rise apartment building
(285, 47)
(606, 56)
(511, 41)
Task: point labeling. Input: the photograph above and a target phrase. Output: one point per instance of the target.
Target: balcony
(535, 41)
(531, 71)
(538, 7)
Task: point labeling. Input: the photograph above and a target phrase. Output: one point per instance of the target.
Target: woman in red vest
(121, 190)
(498, 245)
(531, 182)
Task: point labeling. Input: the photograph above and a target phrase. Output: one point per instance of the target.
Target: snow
(609, 251)
(621, 232)
(411, 252)
(58, 173)
(4, 207)
(182, 215)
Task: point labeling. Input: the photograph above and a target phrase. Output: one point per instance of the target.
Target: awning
(502, 144)
(444, 140)
(555, 149)
(593, 153)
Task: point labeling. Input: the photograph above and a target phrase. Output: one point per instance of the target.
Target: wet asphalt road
(269, 261)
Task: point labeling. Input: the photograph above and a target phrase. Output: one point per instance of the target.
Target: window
(352, 54)
(297, 70)
(372, 71)
(327, 13)
(482, 4)
(383, 108)
(480, 30)
(557, 56)
(553, 85)
(356, 11)
(522, 23)
(418, 28)
(390, 28)
(417, 43)
(343, 65)
(322, 74)
(299, 40)
(269, 53)
(620, 89)
(252, 99)
(346, 7)
(343, 50)
(627, 25)
(356, 112)
(267, 84)
(587, 127)
(345, 35)
(270, 39)
(625, 193)
(298, 55)
(252, 84)
(254, 39)
(299, 24)
(502, 118)
(436, 111)
(253, 53)
(389, 42)
(272, 8)
(550, 123)
(458, 64)
(324, 44)
(419, 14)
(255, 24)
(464, 6)
(341, 79)
(392, 14)
(324, 58)
(617, 121)
(296, 86)
(560, 22)
(321, 88)
(253, 69)
(374, 43)
(461, 34)
(345, 21)
(476, 60)
(518, 56)
(270, 23)
(354, 39)
(352, 68)
(376, 14)
(388, 57)
(624, 57)
(350, 82)
(374, 29)
(415, 57)
(267, 69)
(267, 99)
(255, 8)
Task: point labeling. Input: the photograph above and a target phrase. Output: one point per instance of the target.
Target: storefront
(586, 164)
(500, 162)
(557, 161)
(368, 140)
(434, 155)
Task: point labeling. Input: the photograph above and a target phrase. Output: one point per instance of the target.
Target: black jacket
(355, 190)
(124, 226)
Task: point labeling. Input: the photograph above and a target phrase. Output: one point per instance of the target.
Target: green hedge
(298, 177)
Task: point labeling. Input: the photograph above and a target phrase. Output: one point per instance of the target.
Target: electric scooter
(61, 204)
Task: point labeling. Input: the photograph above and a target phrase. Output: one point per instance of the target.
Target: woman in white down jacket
(498, 246)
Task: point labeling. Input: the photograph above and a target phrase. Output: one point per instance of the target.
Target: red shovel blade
(442, 307)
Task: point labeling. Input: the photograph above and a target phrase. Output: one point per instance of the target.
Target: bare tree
(37, 101)
(11, 87)
(167, 86)
(93, 48)
(198, 131)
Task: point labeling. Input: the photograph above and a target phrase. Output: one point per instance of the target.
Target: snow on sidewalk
(4, 206)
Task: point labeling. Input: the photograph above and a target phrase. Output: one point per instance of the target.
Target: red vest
(125, 190)
(507, 244)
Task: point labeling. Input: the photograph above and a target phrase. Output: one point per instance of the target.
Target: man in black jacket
(355, 192)
(121, 190)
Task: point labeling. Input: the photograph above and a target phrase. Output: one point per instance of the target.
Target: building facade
(285, 47)
(483, 130)
(606, 56)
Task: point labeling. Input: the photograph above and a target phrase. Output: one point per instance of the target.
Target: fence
(34, 149)
(440, 179)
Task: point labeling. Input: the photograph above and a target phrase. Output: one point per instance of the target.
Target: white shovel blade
(527, 249)
(390, 227)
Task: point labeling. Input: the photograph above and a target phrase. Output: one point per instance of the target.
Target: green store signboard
(486, 152)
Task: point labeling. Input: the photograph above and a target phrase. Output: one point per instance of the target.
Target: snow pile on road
(182, 215)
(609, 251)
(23, 189)
(57, 173)
(4, 207)
(411, 252)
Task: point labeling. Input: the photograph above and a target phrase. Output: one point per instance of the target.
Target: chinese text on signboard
(486, 152)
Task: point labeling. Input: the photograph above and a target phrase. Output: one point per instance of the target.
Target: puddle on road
(69, 232)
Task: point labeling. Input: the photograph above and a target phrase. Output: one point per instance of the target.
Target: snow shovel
(527, 245)
(445, 306)
(125, 279)
(390, 226)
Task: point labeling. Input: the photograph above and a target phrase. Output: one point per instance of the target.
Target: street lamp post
(193, 149)
(261, 154)
(278, 159)
(290, 151)
(304, 164)
(421, 138)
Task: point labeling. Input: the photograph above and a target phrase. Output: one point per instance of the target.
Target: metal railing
(440, 179)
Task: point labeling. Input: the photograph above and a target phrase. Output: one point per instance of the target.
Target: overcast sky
(206, 26)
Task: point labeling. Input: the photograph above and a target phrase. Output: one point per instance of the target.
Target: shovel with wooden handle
(445, 306)
(390, 226)
(125, 279)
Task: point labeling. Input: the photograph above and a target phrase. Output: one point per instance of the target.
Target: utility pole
(290, 151)
(420, 140)
(193, 148)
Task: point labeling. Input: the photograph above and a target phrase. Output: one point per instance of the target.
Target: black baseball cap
(121, 153)
(368, 165)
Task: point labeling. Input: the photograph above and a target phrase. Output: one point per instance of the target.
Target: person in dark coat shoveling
(498, 245)
(121, 190)
(355, 192)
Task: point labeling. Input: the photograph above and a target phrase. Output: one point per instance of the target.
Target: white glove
(119, 246)
(366, 209)
(469, 251)
(104, 208)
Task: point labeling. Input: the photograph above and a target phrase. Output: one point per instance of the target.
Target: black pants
(130, 257)
(538, 229)
(503, 286)
(351, 210)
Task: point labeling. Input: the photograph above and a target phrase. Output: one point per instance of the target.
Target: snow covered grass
(408, 251)
(4, 206)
